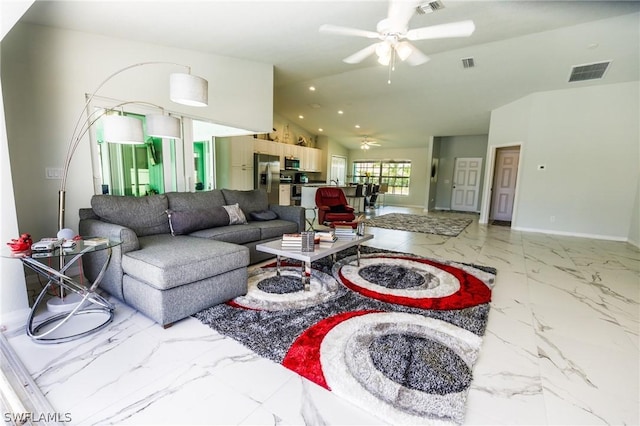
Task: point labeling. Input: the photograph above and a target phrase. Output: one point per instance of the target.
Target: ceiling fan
(367, 143)
(394, 34)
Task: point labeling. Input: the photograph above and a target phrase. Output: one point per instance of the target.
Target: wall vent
(429, 7)
(588, 71)
(468, 63)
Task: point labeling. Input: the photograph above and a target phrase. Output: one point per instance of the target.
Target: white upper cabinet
(242, 151)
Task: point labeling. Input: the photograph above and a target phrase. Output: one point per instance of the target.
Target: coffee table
(275, 247)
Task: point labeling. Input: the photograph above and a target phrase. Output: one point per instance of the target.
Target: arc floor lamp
(184, 88)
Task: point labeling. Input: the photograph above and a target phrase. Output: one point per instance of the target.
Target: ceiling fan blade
(399, 14)
(338, 30)
(360, 55)
(454, 29)
(409, 54)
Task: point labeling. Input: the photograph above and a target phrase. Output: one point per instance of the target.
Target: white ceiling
(519, 47)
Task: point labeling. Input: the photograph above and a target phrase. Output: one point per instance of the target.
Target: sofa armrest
(292, 213)
(98, 228)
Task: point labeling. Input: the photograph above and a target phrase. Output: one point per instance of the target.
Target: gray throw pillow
(188, 221)
(263, 215)
(236, 217)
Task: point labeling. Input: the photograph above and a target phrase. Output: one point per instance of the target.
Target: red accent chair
(332, 206)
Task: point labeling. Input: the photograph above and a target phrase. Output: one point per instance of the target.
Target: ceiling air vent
(429, 7)
(468, 63)
(588, 71)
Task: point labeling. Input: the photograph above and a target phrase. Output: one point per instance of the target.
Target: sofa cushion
(144, 215)
(263, 215)
(238, 234)
(180, 201)
(188, 221)
(249, 201)
(164, 261)
(236, 216)
(275, 228)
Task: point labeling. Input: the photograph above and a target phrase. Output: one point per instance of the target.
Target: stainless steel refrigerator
(266, 169)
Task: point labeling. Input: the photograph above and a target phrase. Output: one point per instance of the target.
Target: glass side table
(89, 311)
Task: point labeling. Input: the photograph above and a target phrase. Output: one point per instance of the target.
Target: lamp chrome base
(66, 304)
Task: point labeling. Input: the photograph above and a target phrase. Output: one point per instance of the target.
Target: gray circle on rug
(393, 276)
(420, 363)
(281, 284)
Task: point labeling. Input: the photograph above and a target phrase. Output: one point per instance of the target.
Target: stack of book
(326, 238)
(292, 241)
(345, 231)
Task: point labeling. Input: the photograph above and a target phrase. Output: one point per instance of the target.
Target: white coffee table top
(275, 247)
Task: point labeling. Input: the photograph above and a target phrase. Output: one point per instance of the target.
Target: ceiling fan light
(404, 50)
(163, 126)
(383, 49)
(122, 129)
(384, 60)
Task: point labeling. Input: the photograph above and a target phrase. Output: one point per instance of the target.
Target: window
(396, 174)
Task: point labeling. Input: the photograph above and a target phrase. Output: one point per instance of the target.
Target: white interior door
(504, 183)
(466, 184)
(338, 169)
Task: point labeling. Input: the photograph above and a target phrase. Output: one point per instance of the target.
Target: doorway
(466, 184)
(338, 169)
(503, 192)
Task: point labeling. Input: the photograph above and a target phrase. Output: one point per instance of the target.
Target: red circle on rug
(303, 356)
(472, 291)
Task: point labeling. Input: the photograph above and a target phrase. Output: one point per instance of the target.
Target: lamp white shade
(188, 89)
(122, 129)
(163, 126)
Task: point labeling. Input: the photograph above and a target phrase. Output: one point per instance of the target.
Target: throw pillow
(263, 215)
(188, 221)
(236, 217)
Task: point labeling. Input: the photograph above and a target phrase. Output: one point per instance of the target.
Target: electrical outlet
(53, 173)
(542, 166)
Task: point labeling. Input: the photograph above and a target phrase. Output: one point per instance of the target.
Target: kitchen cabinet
(285, 194)
(242, 151)
(262, 146)
(311, 160)
(241, 173)
(241, 178)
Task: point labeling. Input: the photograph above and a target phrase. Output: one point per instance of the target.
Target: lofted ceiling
(519, 47)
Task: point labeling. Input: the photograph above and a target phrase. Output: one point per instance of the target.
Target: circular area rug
(397, 335)
(414, 281)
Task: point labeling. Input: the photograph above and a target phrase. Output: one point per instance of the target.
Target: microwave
(291, 164)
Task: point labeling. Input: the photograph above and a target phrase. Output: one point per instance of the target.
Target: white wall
(419, 171)
(588, 139)
(13, 292)
(46, 73)
(450, 148)
(634, 227)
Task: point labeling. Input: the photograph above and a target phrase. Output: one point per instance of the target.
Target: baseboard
(571, 234)
(12, 323)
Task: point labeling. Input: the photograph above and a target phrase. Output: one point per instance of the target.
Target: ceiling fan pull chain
(392, 64)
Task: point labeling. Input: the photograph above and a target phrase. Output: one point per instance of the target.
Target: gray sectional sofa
(182, 252)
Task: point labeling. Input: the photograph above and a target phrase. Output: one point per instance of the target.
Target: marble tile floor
(562, 347)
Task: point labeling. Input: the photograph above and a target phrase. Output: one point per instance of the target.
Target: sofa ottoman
(169, 277)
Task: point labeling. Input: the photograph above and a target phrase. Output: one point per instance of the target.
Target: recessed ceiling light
(357, 126)
(312, 88)
(301, 116)
(321, 129)
(340, 112)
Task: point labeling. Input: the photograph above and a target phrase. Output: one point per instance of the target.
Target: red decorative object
(21, 244)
